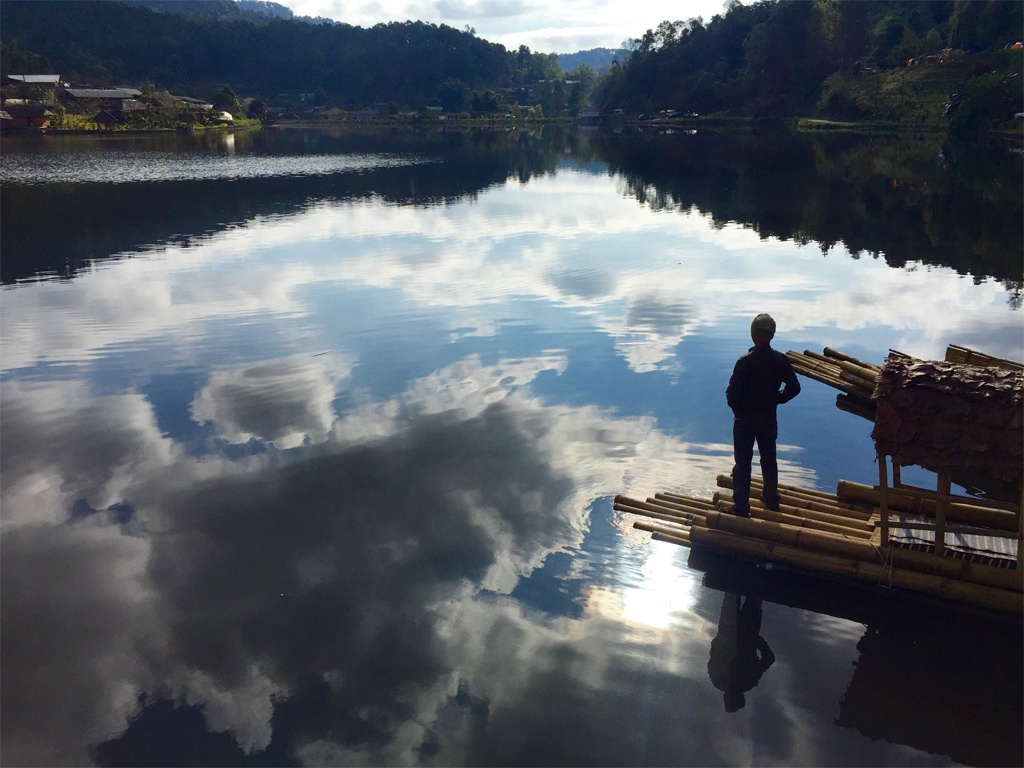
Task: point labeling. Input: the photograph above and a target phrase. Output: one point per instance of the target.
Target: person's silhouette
(739, 655)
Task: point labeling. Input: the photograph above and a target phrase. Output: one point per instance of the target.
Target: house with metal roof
(101, 94)
(194, 104)
(35, 79)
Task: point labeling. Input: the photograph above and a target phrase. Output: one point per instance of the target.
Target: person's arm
(765, 655)
(734, 392)
(791, 384)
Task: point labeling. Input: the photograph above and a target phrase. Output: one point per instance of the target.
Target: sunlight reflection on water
(135, 167)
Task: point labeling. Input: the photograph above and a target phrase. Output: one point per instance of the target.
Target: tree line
(835, 58)
(843, 59)
(410, 63)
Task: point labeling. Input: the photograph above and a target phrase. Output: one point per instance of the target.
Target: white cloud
(283, 401)
(564, 27)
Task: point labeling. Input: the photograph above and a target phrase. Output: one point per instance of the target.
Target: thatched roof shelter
(950, 417)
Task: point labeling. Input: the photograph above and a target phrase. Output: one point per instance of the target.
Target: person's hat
(763, 327)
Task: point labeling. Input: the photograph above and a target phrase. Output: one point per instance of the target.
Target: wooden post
(896, 475)
(941, 505)
(883, 496)
(1020, 534)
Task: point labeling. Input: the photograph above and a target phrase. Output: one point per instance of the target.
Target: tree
(582, 81)
(223, 98)
(453, 95)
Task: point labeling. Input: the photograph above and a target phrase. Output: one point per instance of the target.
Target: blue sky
(563, 27)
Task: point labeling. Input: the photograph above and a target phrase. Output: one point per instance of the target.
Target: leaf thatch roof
(951, 417)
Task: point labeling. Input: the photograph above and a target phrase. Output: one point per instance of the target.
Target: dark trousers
(744, 433)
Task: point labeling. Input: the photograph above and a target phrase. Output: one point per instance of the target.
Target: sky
(566, 26)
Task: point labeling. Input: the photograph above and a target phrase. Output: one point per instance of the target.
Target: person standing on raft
(753, 395)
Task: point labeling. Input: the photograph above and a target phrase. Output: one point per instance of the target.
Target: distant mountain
(227, 10)
(215, 9)
(266, 8)
(599, 58)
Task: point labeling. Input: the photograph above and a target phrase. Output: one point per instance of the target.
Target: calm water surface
(309, 442)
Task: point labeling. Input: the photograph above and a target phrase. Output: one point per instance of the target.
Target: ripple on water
(122, 167)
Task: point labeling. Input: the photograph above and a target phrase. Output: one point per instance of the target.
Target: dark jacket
(753, 391)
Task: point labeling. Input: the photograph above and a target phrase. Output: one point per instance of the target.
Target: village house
(37, 87)
(119, 103)
(25, 115)
(364, 114)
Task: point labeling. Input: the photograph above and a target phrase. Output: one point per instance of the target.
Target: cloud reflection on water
(370, 552)
(358, 559)
(472, 261)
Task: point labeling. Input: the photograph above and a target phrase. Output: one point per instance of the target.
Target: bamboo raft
(844, 535)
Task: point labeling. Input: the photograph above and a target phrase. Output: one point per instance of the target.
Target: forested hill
(106, 42)
(835, 58)
(938, 62)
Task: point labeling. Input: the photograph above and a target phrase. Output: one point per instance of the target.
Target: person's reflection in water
(739, 655)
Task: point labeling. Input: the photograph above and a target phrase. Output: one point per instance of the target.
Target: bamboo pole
(942, 488)
(829, 352)
(681, 541)
(676, 533)
(962, 529)
(868, 375)
(883, 496)
(836, 523)
(811, 513)
(796, 489)
(767, 530)
(827, 367)
(958, 354)
(832, 544)
(833, 376)
(833, 506)
(684, 499)
(967, 592)
(683, 506)
(914, 502)
(1020, 534)
(849, 389)
(951, 567)
(971, 501)
(856, 406)
(663, 516)
(759, 510)
(649, 510)
(852, 378)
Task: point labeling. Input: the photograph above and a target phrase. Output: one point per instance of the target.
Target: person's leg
(766, 435)
(743, 453)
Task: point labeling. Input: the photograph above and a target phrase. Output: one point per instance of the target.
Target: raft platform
(841, 535)
(962, 415)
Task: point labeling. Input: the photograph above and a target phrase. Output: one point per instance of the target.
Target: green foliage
(223, 98)
(487, 101)
(15, 60)
(839, 98)
(844, 59)
(402, 61)
(989, 100)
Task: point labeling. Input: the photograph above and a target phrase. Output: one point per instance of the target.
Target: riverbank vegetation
(936, 65)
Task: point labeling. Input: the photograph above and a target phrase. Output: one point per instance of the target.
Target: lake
(310, 438)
